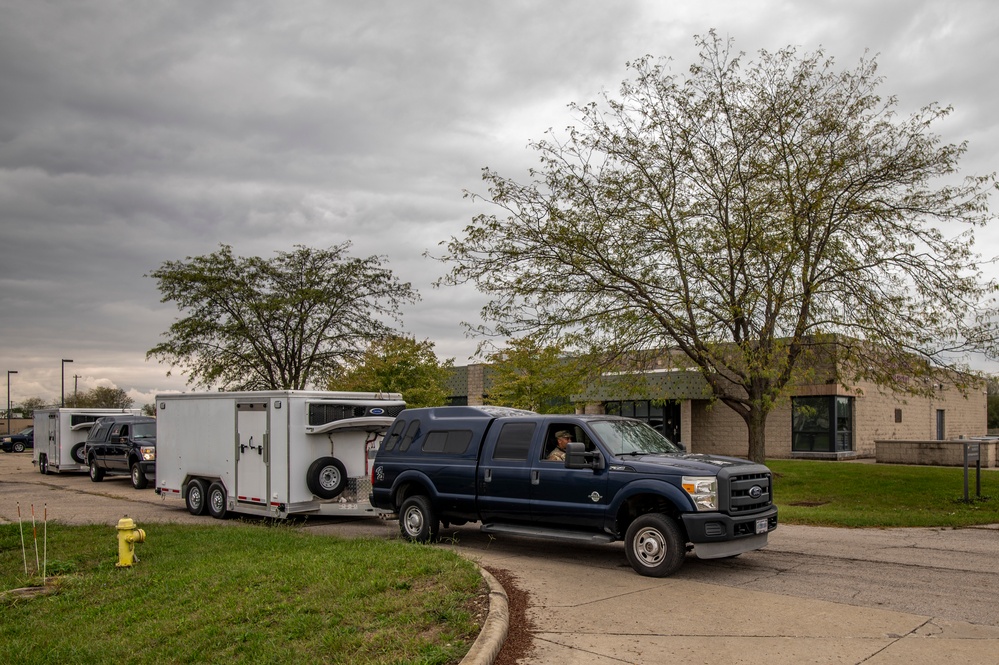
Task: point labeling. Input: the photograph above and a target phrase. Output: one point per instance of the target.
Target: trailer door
(252, 453)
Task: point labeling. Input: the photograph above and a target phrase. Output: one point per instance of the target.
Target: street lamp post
(62, 386)
(9, 372)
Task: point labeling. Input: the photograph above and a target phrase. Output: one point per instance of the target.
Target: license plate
(761, 525)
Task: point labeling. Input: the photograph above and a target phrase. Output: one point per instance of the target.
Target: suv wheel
(96, 472)
(139, 480)
(18, 447)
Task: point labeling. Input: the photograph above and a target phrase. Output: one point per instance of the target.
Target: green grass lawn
(240, 594)
(881, 495)
(257, 593)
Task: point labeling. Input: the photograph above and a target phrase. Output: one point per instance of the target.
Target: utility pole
(76, 384)
(62, 386)
(9, 372)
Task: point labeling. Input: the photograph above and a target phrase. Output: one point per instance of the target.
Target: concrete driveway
(814, 595)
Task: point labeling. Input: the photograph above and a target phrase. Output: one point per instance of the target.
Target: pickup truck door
(561, 496)
(503, 479)
(116, 448)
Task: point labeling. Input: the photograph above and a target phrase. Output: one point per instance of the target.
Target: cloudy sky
(137, 132)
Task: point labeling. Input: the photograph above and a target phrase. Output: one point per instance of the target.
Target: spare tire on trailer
(78, 454)
(327, 477)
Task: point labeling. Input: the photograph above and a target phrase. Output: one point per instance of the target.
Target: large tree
(526, 374)
(740, 214)
(400, 364)
(290, 322)
(101, 397)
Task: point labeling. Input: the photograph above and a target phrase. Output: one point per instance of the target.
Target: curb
(490, 640)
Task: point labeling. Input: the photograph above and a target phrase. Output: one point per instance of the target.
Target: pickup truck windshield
(630, 437)
(144, 431)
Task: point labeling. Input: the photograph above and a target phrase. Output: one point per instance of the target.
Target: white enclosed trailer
(60, 434)
(270, 453)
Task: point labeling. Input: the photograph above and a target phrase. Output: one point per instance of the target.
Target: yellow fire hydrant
(128, 535)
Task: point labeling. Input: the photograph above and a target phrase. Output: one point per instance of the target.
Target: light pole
(9, 372)
(62, 385)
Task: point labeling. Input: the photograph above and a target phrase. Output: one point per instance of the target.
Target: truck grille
(741, 499)
(320, 414)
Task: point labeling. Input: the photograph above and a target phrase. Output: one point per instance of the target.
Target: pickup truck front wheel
(417, 521)
(139, 480)
(654, 545)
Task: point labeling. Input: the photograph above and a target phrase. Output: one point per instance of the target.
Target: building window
(822, 424)
(941, 429)
(898, 415)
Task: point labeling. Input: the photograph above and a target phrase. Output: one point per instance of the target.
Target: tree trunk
(756, 421)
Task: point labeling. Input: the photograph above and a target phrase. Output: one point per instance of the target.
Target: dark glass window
(411, 433)
(453, 443)
(822, 424)
(514, 441)
(393, 436)
(664, 417)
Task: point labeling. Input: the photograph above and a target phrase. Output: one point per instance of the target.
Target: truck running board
(541, 532)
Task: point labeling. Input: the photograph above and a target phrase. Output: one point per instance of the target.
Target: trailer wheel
(654, 545)
(195, 499)
(139, 480)
(326, 477)
(417, 521)
(217, 501)
(78, 453)
(43, 464)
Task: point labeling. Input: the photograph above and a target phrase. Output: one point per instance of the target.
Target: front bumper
(711, 531)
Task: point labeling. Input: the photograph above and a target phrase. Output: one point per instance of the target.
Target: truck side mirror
(577, 457)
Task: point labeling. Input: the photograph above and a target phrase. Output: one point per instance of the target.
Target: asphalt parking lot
(814, 595)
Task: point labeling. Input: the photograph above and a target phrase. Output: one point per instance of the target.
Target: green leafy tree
(743, 214)
(527, 375)
(28, 406)
(287, 323)
(400, 364)
(101, 397)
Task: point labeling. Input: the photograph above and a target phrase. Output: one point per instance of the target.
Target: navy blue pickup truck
(619, 480)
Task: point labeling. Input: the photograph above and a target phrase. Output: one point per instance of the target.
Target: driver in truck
(557, 454)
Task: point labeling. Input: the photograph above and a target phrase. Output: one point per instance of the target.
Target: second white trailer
(60, 434)
(270, 453)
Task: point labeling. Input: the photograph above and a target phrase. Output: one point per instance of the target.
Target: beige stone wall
(16, 424)
(717, 429)
(935, 453)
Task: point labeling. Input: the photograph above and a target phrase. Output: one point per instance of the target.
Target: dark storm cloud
(133, 133)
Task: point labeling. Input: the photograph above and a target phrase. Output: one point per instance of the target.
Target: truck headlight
(703, 490)
(148, 453)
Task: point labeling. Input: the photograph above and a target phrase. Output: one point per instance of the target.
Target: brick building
(821, 419)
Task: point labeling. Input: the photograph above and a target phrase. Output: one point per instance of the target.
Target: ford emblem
(377, 412)
(755, 492)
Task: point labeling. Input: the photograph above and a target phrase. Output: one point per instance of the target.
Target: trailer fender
(326, 477)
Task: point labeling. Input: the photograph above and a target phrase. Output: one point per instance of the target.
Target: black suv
(16, 443)
(123, 444)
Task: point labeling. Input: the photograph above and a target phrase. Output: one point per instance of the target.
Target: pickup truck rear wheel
(417, 521)
(77, 453)
(654, 545)
(326, 477)
(96, 472)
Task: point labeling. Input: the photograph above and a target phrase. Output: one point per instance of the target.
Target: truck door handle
(535, 477)
(489, 475)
